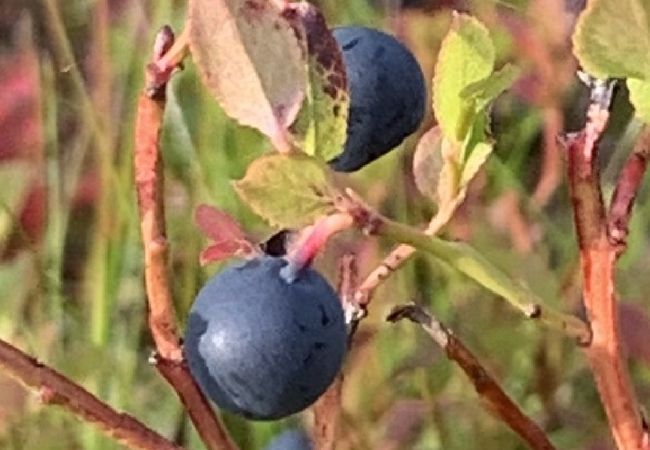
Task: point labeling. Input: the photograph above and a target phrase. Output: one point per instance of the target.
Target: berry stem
(312, 239)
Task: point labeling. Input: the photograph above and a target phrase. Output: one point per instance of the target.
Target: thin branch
(467, 260)
(327, 410)
(495, 399)
(598, 258)
(55, 388)
(162, 320)
(393, 261)
(627, 187)
(149, 185)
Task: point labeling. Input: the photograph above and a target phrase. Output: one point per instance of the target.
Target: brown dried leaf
(427, 162)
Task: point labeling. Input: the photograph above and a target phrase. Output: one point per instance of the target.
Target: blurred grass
(73, 296)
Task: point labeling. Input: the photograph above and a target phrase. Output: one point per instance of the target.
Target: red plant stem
(162, 320)
(598, 258)
(493, 396)
(627, 187)
(327, 416)
(148, 165)
(56, 389)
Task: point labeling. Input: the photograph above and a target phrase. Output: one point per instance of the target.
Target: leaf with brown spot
(251, 61)
(321, 126)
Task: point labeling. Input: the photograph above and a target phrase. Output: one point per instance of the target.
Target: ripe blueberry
(387, 95)
(261, 346)
(293, 439)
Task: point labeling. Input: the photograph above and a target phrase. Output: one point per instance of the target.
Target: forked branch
(600, 240)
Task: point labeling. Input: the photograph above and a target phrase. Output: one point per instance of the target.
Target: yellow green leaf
(288, 191)
(466, 56)
(612, 38)
(486, 90)
(640, 97)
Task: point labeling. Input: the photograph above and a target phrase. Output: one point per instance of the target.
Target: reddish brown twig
(598, 258)
(162, 320)
(493, 396)
(627, 187)
(327, 410)
(327, 415)
(211, 430)
(56, 389)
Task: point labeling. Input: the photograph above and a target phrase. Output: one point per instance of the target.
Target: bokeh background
(71, 285)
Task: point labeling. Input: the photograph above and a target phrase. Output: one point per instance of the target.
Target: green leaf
(475, 161)
(486, 90)
(640, 97)
(250, 59)
(476, 149)
(321, 126)
(288, 191)
(466, 56)
(612, 38)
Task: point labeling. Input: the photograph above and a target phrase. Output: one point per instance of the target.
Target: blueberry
(260, 346)
(387, 95)
(293, 439)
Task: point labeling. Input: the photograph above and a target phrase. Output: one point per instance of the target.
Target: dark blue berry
(262, 347)
(387, 95)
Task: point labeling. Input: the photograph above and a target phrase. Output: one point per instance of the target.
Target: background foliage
(71, 288)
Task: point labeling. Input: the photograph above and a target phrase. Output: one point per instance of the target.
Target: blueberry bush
(265, 224)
